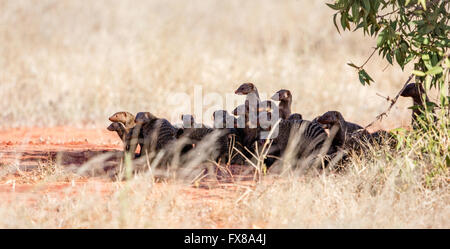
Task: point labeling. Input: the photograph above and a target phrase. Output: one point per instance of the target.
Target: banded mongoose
(344, 129)
(119, 128)
(284, 107)
(311, 140)
(126, 118)
(134, 136)
(198, 135)
(252, 100)
(285, 98)
(247, 127)
(416, 91)
(156, 132)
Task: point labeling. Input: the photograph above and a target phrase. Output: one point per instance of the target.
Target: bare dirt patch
(23, 151)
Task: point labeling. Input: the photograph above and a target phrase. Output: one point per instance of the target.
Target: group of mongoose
(239, 136)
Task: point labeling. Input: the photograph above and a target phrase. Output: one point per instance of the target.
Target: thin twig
(393, 101)
(374, 50)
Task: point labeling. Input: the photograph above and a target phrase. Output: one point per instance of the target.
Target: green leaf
(366, 5)
(418, 73)
(333, 6)
(381, 38)
(355, 11)
(424, 4)
(389, 58)
(352, 65)
(400, 57)
(364, 78)
(344, 21)
(335, 24)
(435, 70)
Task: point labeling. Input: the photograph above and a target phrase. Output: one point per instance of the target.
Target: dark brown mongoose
(119, 128)
(152, 133)
(198, 135)
(126, 118)
(285, 98)
(416, 91)
(158, 133)
(312, 137)
(252, 101)
(246, 127)
(344, 130)
(135, 136)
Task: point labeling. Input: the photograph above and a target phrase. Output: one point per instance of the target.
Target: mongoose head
(282, 95)
(295, 116)
(122, 117)
(144, 117)
(413, 90)
(330, 118)
(188, 120)
(245, 89)
(115, 126)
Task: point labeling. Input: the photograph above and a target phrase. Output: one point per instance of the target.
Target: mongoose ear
(286, 95)
(180, 132)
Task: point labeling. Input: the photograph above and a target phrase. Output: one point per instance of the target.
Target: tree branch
(393, 101)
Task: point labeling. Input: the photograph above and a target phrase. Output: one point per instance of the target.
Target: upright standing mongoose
(284, 107)
(119, 128)
(344, 129)
(415, 91)
(223, 120)
(249, 131)
(252, 100)
(285, 98)
(126, 118)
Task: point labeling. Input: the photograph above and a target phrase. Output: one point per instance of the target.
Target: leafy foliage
(407, 31)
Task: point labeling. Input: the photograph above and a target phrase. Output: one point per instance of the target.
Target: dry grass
(77, 62)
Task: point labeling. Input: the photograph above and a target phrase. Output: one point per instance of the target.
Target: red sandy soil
(23, 149)
(27, 147)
